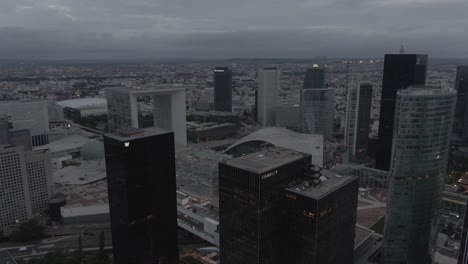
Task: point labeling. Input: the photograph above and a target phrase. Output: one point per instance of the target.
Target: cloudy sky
(152, 29)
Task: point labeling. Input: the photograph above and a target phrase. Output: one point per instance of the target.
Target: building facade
(142, 196)
(358, 121)
(38, 169)
(423, 123)
(317, 111)
(315, 77)
(400, 72)
(223, 89)
(267, 97)
(460, 124)
(250, 195)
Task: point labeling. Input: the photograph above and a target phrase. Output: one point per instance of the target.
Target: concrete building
(16, 199)
(268, 89)
(168, 107)
(38, 170)
(20, 137)
(358, 122)
(32, 115)
(423, 123)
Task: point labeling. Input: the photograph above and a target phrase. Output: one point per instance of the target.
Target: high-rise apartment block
(142, 195)
(267, 97)
(460, 125)
(358, 112)
(223, 89)
(423, 124)
(400, 72)
(168, 110)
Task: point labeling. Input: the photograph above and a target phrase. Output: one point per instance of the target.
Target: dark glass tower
(223, 89)
(142, 196)
(251, 195)
(363, 120)
(463, 253)
(460, 125)
(320, 219)
(315, 77)
(400, 72)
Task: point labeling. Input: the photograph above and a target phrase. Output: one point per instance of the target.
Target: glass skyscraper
(460, 125)
(223, 89)
(142, 196)
(422, 127)
(267, 96)
(400, 72)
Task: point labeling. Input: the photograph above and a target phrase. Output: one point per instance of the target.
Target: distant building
(320, 218)
(287, 116)
(142, 195)
(423, 123)
(460, 125)
(358, 121)
(20, 137)
(16, 205)
(4, 127)
(168, 110)
(32, 115)
(400, 72)
(250, 195)
(76, 109)
(223, 89)
(267, 99)
(317, 104)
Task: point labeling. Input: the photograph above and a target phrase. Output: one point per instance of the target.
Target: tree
(30, 230)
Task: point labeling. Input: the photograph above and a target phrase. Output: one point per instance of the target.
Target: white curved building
(314, 144)
(86, 106)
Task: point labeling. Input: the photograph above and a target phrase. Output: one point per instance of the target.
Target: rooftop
(84, 103)
(144, 92)
(80, 172)
(329, 182)
(265, 160)
(134, 133)
(65, 144)
(419, 90)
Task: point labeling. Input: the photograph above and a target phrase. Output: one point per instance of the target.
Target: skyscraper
(423, 124)
(317, 104)
(3, 130)
(400, 72)
(223, 89)
(320, 218)
(267, 99)
(168, 110)
(460, 124)
(463, 252)
(142, 195)
(250, 195)
(358, 112)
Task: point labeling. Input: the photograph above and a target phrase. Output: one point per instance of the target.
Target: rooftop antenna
(402, 49)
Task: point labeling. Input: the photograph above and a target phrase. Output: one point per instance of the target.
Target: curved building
(422, 127)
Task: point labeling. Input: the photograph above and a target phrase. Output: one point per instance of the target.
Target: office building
(20, 137)
(463, 253)
(168, 110)
(142, 195)
(287, 115)
(267, 96)
(423, 123)
(320, 218)
(317, 111)
(38, 170)
(223, 89)
(15, 206)
(460, 124)
(250, 196)
(358, 112)
(315, 77)
(400, 72)
(32, 115)
(4, 130)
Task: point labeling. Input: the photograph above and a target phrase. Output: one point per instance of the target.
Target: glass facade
(267, 97)
(423, 123)
(223, 89)
(142, 197)
(317, 111)
(314, 78)
(400, 72)
(460, 125)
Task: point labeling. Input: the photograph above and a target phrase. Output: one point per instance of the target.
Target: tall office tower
(315, 77)
(320, 218)
(142, 195)
(358, 112)
(463, 252)
(423, 124)
(15, 200)
(267, 99)
(38, 170)
(460, 124)
(317, 107)
(250, 195)
(32, 115)
(168, 110)
(3, 130)
(223, 89)
(400, 72)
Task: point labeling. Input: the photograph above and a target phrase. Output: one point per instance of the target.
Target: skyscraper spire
(402, 49)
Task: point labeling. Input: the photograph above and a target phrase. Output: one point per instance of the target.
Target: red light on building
(309, 214)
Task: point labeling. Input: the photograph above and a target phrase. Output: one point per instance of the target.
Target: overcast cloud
(125, 29)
